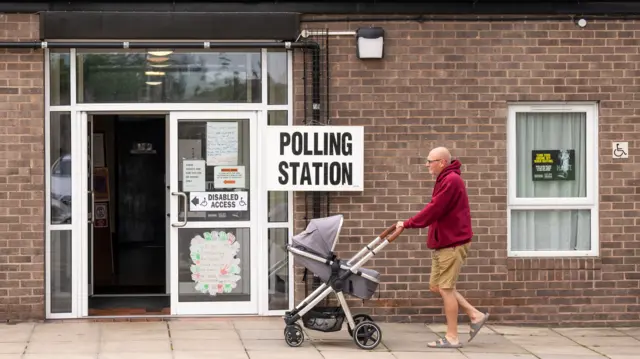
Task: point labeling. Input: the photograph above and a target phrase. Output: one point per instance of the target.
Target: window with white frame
(553, 180)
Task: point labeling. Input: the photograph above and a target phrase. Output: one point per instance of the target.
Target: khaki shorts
(446, 264)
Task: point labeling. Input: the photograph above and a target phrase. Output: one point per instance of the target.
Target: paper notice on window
(188, 150)
(222, 143)
(229, 177)
(194, 179)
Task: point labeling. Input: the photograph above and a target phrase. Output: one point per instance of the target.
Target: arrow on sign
(195, 201)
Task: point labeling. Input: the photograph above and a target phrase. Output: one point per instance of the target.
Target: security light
(370, 43)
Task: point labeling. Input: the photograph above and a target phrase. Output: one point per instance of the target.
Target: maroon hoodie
(448, 215)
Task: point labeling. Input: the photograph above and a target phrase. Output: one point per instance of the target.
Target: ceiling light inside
(158, 60)
(160, 53)
(159, 66)
(154, 73)
(154, 83)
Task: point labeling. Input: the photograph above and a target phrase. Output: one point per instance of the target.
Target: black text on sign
(315, 158)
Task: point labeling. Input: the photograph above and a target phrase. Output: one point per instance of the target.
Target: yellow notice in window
(543, 158)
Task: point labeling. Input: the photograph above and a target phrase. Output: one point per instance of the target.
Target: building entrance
(152, 183)
(172, 199)
(128, 221)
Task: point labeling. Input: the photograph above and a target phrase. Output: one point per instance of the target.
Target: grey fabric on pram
(319, 238)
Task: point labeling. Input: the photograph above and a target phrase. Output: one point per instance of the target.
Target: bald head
(438, 159)
(441, 153)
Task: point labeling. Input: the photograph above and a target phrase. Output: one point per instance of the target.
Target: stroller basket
(324, 319)
(314, 250)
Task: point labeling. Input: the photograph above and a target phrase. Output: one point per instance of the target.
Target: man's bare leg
(474, 315)
(451, 313)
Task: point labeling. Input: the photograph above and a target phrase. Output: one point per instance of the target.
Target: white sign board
(218, 201)
(222, 143)
(620, 150)
(229, 177)
(193, 175)
(314, 158)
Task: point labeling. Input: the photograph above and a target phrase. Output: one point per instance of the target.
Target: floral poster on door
(216, 268)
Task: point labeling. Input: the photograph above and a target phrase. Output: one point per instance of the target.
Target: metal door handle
(186, 203)
(93, 208)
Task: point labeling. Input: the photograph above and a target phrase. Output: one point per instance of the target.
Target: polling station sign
(314, 158)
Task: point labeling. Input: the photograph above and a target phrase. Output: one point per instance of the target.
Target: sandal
(475, 327)
(444, 343)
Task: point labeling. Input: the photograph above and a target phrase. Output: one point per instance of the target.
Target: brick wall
(447, 84)
(21, 172)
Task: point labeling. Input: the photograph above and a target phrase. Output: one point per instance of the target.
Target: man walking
(448, 217)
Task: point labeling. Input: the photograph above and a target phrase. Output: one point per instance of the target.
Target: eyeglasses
(431, 161)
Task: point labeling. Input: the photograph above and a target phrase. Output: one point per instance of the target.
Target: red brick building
(89, 228)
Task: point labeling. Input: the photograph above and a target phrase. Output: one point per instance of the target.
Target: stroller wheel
(367, 335)
(293, 335)
(358, 318)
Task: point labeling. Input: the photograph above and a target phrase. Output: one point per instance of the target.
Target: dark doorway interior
(131, 270)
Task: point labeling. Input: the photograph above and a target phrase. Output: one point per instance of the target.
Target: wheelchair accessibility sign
(218, 201)
(620, 150)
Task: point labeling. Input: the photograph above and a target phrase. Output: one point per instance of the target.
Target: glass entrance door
(213, 188)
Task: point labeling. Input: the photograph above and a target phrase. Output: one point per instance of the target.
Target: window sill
(552, 254)
(594, 263)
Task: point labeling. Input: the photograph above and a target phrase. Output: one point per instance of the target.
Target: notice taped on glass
(553, 165)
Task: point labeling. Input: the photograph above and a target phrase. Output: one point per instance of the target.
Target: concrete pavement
(262, 338)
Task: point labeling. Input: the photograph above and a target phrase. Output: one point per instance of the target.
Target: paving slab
(499, 356)
(343, 345)
(521, 331)
(87, 347)
(442, 354)
(607, 341)
(19, 333)
(219, 345)
(505, 348)
(569, 356)
(240, 354)
(135, 355)
(590, 332)
(263, 338)
(300, 352)
(634, 332)
(12, 348)
(563, 350)
(201, 325)
(136, 346)
(134, 335)
(57, 356)
(617, 350)
(533, 340)
(357, 355)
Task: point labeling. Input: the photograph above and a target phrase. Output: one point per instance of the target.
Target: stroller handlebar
(396, 233)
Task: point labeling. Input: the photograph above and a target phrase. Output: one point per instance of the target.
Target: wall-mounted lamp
(370, 42)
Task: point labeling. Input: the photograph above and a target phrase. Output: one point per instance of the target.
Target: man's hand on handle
(400, 224)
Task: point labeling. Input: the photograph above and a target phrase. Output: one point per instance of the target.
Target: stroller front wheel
(367, 335)
(358, 318)
(293, 335)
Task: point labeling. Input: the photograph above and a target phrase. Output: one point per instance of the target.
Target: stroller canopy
(320, 235)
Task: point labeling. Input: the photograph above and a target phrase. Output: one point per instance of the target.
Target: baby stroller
(313, 249)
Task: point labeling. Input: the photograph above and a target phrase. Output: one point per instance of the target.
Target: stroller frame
(361, 327)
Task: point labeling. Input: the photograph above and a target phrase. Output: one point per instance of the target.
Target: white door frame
(78, 112)
(259, 209)
(215, 308)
